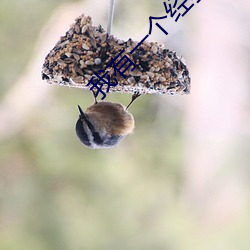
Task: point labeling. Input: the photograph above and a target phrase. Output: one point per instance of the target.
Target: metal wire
(110, 16)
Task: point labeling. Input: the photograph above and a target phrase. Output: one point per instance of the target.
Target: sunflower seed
(85, 46)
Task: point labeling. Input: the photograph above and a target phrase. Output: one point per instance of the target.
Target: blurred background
(180, 182)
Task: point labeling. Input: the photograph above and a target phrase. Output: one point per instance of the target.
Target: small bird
(104, 124)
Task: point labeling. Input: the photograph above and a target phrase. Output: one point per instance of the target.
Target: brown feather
(111, 117)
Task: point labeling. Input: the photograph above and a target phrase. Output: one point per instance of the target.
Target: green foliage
(20, 24)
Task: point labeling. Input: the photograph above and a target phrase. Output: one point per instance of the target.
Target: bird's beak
(82, 115)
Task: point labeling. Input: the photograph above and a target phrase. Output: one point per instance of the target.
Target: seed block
(86, 49)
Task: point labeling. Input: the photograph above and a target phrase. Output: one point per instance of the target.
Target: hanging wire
(110, 16)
